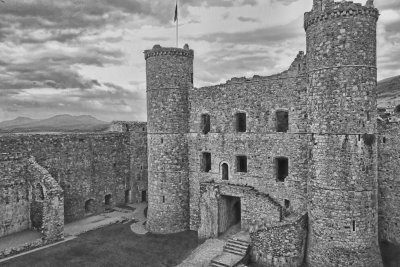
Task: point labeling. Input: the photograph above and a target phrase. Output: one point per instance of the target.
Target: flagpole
(177, 23)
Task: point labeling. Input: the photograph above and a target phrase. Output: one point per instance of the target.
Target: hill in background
(59, 123)
(389, 92)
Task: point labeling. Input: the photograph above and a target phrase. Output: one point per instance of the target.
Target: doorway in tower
(229, 213)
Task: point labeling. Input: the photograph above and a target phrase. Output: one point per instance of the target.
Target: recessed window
(282, 168)
(354, 225)
(241, 163)
(162, 140)
(225, 171)
(240, 122)
(287, 203)
(282, 121)
(206, 162)
(163, 199)
(191, 78)
(205, 123)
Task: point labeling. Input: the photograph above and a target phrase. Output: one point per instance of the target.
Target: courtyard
(114, 245)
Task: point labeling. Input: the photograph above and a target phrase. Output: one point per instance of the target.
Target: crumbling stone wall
(137, 183)
(169, 73)
(87, 166)
(23, 210)
(14, 195)
(389, 181)
(259, 98)
(282, 244)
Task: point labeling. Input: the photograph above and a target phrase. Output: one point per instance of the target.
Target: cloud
(247, 19)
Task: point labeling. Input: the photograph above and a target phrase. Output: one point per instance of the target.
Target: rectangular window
(191, 78)
(354, 225)
(206, 162)
(240, 122)
(282, 121)
(241, 163)
(287, 203)
(282, 168)
(205, 123)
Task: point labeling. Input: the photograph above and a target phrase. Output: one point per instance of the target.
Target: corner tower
(342, 186)
(169, 74)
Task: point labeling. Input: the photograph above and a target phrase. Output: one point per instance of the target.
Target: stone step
(238, 241)
(234, 251)
(242, 250)
(215, 263)
(237, 245)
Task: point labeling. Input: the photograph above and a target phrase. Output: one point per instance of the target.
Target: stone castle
(300, 159)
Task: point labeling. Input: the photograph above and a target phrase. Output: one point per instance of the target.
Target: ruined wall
(342, 189)
(14, 195)
(283, 244)
(36, 201)
(259, 98)
(169, 73)
(389, 181)
(136, 186)
(87, 166)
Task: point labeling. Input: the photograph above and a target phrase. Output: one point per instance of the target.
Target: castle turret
(169, 74)
(342, 187)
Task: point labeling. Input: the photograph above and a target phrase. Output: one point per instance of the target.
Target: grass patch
(115, 245)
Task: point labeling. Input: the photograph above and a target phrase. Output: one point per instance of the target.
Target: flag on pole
(176, 12)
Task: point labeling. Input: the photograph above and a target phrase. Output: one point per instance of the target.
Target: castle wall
(137, 183)
(259, 98)
(14, 196)
(389, 182)
(342, 186)
(169, 73)
(283, 244)
(87, 166)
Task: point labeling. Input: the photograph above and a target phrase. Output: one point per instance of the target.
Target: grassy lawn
(114, 245)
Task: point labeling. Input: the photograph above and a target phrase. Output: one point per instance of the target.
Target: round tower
(342, 187)
(169, 74)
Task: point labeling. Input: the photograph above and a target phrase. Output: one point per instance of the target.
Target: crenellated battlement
(169, 51)
(326, 10)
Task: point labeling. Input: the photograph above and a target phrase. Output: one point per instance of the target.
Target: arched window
(89, 206)
(108, 200)
(225, 171)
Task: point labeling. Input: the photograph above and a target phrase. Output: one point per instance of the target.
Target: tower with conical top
(342, 102)
(169, 74)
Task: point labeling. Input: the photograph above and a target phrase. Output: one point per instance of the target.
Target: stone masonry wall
(14, 196)
(389, 181)
(280, 245)
(341, 92)
(169, 74)
(87, 166)
(137, 183)
(259, 98)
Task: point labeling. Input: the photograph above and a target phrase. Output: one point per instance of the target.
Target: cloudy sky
(86, 56)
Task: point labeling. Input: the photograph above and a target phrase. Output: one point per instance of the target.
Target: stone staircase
(235, 250)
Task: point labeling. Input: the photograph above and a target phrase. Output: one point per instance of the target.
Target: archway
(89, 207)
(225, 171)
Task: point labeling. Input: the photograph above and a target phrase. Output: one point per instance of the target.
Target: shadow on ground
(390, 254)
(115, 245)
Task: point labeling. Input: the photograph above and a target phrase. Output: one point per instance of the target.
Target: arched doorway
(89, 207)
(225, 171)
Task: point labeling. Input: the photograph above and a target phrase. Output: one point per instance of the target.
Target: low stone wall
(283, 244)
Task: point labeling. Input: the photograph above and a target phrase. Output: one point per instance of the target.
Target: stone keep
(342, 186)
(169, 74)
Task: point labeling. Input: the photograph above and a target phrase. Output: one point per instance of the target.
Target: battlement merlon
(329, 9)
(158, 50)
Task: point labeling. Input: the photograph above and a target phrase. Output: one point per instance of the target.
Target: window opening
(241, 163)
(282, 168)
(241, 122)
(205, 123)
(282, 121)
(206, 162)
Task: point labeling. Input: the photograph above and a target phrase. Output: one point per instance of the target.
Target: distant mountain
(58, 123)
(389, 92)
